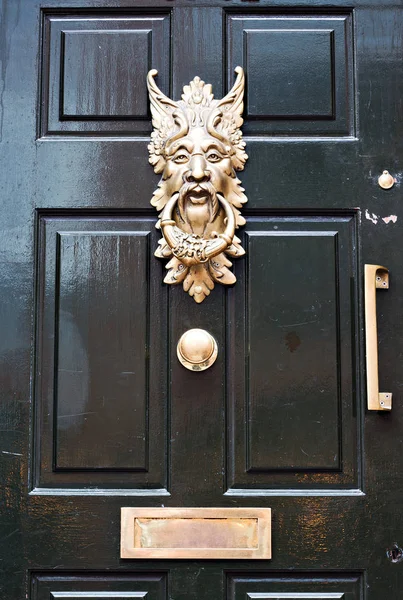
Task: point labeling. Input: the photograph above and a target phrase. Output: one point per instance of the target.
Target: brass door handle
(376, 277)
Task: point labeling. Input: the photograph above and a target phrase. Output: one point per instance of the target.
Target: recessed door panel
(99, 421)
(99, 586)
(93, 69)
(294, 424)
(277, 48)
(298, 586)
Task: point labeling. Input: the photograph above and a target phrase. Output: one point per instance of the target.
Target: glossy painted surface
(83, 348)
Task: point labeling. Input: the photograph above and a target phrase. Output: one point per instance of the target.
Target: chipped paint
(371, 216)
(392, 218)
(395, 554)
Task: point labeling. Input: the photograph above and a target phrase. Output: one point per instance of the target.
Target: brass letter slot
(196, 533)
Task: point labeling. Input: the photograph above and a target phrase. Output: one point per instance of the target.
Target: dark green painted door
(96, 412)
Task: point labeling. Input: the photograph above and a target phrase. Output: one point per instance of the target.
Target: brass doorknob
(197, 349)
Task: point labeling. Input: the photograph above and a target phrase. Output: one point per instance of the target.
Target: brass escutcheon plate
(188, 533)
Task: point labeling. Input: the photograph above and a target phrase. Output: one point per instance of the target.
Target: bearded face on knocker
(197, 146)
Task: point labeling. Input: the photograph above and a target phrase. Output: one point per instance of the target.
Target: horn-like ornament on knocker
(197, 146)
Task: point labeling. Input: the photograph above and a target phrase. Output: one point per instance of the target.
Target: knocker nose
(198, 172)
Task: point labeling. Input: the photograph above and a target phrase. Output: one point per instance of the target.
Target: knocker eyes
(211, 157)
(214, 157)
(181, 158)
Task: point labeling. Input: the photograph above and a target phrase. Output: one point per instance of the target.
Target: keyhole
(395, 554)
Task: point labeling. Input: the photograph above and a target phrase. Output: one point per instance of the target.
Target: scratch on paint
(76, 415)
(392, 218)
(11, 453)
(371, 216)
(298, 324)
(10, 534)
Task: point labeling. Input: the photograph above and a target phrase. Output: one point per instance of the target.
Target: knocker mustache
(202, 193)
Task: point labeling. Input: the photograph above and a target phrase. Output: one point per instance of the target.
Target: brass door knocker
(197, 145)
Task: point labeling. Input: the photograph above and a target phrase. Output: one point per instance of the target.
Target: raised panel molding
(284, 331)
(283, 384)
(299, 72)
(286, 97)
(146, 585)
(100, 415)
(296, 596)
(94, 289)
(94, 70)
(95, 65)
(96, 595)
(295, 586)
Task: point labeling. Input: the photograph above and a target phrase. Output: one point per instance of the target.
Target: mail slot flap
(196, 533)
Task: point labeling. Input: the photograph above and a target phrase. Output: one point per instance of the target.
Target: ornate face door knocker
(197, 146)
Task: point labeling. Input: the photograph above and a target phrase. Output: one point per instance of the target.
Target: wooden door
(96, 411)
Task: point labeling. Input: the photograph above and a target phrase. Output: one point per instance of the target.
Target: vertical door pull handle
(376, 277)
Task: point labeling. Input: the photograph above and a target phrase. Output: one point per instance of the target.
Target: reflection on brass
(386, 181)
(197, 349)
(376, 277)
(197, 146)
(196, 533)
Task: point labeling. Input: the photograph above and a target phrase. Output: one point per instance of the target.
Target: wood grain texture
(94, 63)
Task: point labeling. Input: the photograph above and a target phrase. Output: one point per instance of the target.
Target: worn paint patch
(371, 216)
(375, 218)
(395, 554)
(390, 218)
(292, 341)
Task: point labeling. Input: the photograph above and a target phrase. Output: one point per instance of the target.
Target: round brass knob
(197, 349)
(386, 181)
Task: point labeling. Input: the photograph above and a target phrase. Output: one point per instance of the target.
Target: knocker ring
(192, 249)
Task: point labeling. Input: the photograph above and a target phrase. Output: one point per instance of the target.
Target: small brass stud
(386, 181)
